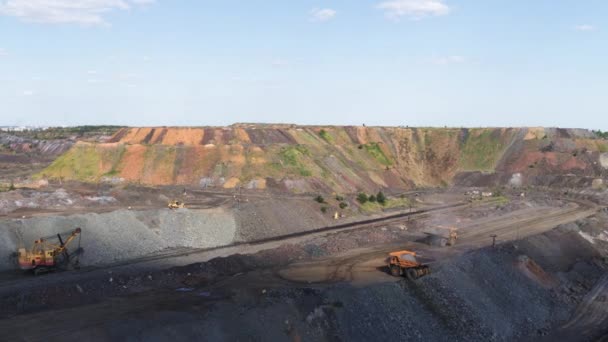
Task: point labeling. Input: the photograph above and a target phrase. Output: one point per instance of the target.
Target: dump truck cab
(405, 263)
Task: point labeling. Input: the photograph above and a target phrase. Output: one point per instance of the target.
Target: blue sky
(378, 62)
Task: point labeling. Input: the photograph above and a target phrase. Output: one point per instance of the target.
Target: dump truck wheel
(411, 274)
(395, 271)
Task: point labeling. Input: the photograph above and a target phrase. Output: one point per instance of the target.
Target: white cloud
(83, 12)
(584, 27)
(3, 52)
(127, 76)
(414, 9)
(279, 62)
(447, 60)
(28, 92)
(322, 14)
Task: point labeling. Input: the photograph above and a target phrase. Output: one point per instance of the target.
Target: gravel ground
(124, 234)
(273, 217)
(483, 295)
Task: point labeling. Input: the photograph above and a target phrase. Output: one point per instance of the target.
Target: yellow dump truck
(404, 263)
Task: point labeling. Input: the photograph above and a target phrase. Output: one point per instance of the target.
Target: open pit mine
(304, 233)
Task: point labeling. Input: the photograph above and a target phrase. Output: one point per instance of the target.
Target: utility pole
(493, 236)
(410, 215)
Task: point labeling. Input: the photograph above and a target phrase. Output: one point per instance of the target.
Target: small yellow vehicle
(176, 205)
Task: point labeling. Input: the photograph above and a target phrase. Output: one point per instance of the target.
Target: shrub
(11, 187)
(381, 198)
(362, 198)
(323, 210)
(339, 198)
(320, 199)
(600, 134)
(372, 198)
(343, 205)
(325, 136)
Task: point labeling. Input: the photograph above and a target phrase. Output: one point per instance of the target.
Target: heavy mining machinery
(404, 263)
(176, 205)
(51, 253)
(441, 236)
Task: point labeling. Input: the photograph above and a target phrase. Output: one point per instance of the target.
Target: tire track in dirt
(590, 319)
(185, 256)
(522, 227)
(348, 268)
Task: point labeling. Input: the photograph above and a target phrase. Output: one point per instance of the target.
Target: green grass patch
(52, 133)
(375, 151)
(81, 163)
(292, 156)
(481, 152)
(326, 136)
(373, 207)
(116, 157)
(501, 200)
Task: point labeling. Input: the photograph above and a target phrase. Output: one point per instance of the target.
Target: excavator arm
(63, 244)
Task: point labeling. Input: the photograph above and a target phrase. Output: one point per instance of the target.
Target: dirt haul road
(355, 264)
(184, 256)
(590, 314)
(361, 266)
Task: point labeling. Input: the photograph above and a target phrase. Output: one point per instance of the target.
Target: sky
(439, 63)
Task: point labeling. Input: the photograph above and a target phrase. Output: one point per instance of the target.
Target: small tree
(362, 198)
(343, 205)
(381, 198)
(372, 198)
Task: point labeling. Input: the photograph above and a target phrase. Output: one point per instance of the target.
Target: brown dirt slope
(332, 158)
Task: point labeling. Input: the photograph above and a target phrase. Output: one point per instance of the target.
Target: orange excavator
(51, 253)
(404, 263)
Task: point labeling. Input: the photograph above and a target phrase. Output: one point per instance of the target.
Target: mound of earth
(325, 159)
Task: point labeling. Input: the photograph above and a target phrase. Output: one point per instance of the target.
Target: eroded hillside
(343, 159)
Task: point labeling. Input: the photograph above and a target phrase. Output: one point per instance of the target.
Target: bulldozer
(404, 263)
(51, 253)
(176, 205)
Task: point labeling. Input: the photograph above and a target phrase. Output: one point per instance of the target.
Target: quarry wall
(318, 159)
